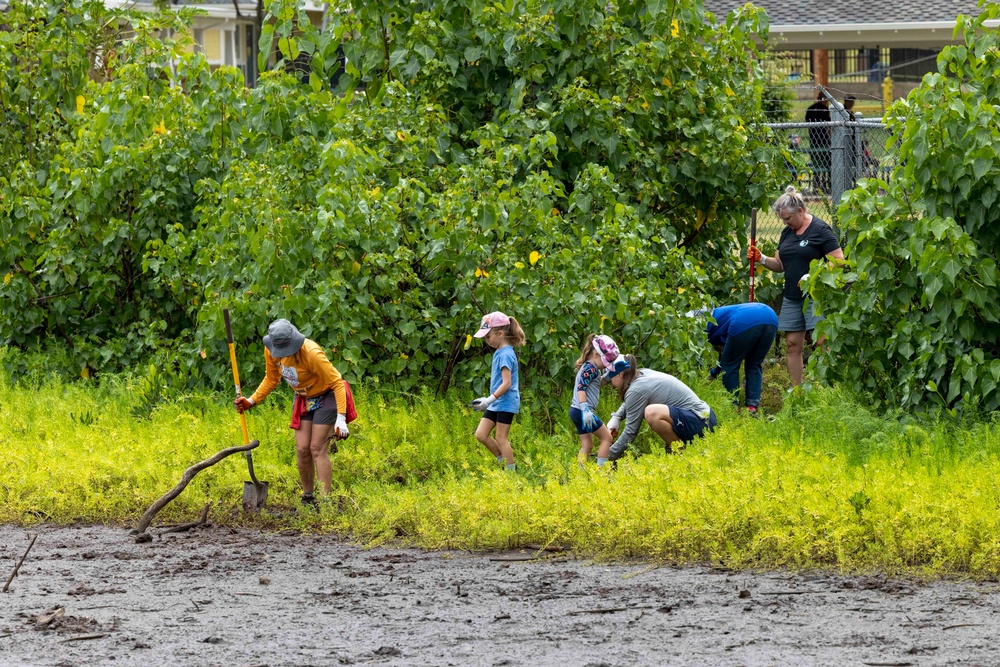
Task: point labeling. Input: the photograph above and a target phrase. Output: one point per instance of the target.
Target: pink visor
(491, 321)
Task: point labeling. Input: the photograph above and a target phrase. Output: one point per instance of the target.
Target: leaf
(980, 166)
(472, 54)
(931, 288)
(425, 51)
(398, 56)
(951, 268)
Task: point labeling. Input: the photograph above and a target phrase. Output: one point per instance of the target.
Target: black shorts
(499, 417)
(324, 409)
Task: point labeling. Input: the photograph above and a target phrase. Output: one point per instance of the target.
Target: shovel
(254, 492)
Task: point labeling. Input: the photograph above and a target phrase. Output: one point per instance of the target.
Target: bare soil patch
(90, 595)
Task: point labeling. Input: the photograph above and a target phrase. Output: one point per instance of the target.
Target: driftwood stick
(612, 610)
(83, 638)
(188, 526)
(19, 563)
(150, 514)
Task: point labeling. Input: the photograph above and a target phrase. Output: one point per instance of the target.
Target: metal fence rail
(828, 159)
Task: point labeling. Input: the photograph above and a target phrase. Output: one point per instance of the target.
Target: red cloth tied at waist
(298, 409)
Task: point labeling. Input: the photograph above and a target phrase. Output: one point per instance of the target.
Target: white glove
(614, 423)
(483, 404)
(340, 428)
(588, 417)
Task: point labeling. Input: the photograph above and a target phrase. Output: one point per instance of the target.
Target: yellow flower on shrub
(400, 136)
(667, 82)
(534, 257)
(80, 102)
(675, 28)
(468, 341)
(160, 128)
(482, 273)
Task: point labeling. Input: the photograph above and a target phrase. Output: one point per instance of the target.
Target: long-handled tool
(254, 492)
(753, 261)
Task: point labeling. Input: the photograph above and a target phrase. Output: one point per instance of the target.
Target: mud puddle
(240, 598)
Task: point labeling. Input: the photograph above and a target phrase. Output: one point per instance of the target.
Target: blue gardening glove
(714, 373)
(588, 417)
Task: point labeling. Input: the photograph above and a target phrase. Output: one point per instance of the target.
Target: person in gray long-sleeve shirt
(673, 411)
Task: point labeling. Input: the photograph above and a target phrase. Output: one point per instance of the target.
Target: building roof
(827, 12)
(806, 24)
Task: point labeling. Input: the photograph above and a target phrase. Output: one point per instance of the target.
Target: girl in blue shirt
(502, 333)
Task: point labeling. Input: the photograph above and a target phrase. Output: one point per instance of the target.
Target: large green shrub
(583, 166)
(920, 326)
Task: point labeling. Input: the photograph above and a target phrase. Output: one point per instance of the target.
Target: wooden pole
(821, 67)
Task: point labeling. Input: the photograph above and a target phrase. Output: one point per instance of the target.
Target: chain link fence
(827, 159)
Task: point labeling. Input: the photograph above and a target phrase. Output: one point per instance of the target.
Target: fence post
(857, 169)
(839, 173)
(840, 142)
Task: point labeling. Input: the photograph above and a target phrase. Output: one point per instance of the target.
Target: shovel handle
(753, 244)
(236, 373)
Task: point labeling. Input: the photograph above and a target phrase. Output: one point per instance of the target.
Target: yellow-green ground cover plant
(827, 484)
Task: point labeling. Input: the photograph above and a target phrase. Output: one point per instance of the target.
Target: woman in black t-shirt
(804, 238)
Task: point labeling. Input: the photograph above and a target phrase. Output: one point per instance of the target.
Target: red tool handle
(753, 245)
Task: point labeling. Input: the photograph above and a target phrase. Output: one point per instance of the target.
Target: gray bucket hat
(283, 339)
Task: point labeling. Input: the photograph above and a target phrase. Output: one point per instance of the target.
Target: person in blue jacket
(743, 333)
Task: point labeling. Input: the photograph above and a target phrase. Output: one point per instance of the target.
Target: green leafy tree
(920, 322)
(583, 166)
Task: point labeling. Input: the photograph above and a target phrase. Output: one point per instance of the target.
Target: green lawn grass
(825, 484)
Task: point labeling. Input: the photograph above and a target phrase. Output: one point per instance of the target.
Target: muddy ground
(218, 596)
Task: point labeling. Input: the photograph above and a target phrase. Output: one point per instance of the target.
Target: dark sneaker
(309, 500)
(752, 411)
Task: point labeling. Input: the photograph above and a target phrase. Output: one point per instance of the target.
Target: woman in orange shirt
(319, 391)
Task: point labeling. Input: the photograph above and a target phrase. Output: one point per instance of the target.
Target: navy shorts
(324, 409)
(576, 416)
(688, 425)
(499, 417)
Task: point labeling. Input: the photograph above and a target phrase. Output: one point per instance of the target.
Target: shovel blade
(254, 496)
